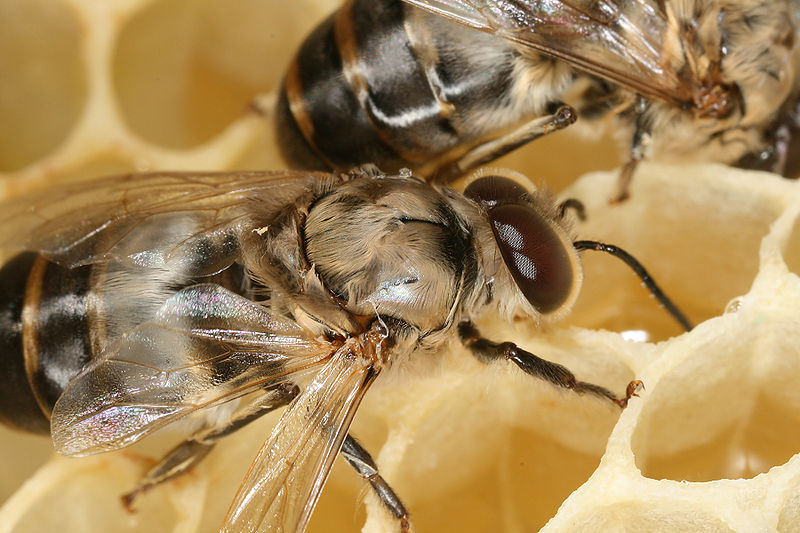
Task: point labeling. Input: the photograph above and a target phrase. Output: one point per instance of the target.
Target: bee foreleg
(190, 452)
(492, 149)
(365, 466)
(486, 351)
(574, 204)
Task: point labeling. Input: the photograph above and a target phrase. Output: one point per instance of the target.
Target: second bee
(384, 82)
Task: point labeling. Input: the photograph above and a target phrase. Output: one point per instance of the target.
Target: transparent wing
(205, 346)
(145, 218)
(285, 481)
(623, 41)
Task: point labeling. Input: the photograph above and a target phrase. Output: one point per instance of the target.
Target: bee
(139, 300)
(697, 80)
(383, 82)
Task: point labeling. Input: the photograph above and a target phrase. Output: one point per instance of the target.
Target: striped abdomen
(45, 336)
(382, 82)
(54, 319)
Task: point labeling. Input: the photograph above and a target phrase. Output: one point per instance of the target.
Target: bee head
(535, 246)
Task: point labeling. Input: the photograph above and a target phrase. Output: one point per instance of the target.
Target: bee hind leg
(492, 149)
(365, 466)
(187, 454)
(486, 351)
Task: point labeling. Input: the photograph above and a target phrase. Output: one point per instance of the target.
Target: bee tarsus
(365, 466)
(487, 351)
(187, 454)
(575, 205)
(489, 150)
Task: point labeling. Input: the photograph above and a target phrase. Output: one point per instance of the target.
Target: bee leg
(640, 143)
(190, 452)
(624, 181)
(365, 466)
(490, 150)
(784, 147)
(486, 351)
(601, 99)
(574, 204)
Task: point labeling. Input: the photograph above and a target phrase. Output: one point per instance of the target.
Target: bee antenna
(640, 271)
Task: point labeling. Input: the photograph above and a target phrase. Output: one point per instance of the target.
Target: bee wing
(622, 41)
(145, 218)
(284, 482)
(205, 346)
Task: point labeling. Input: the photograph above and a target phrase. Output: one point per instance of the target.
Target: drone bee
(696, 80)
(143, 299)
(413, 90)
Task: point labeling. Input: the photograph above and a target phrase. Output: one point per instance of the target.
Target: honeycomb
(93, 87)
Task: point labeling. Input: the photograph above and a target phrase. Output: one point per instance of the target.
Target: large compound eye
(493, 190)
(535, 255)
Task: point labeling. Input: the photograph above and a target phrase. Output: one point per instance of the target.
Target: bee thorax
(390, 248)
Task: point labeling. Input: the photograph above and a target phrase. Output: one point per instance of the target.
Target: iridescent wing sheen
(284, 483)
(623, 41)
(145, 219)
(205, 346)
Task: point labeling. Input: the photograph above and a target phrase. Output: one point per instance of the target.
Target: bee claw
(633, 389)
(128, 499)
